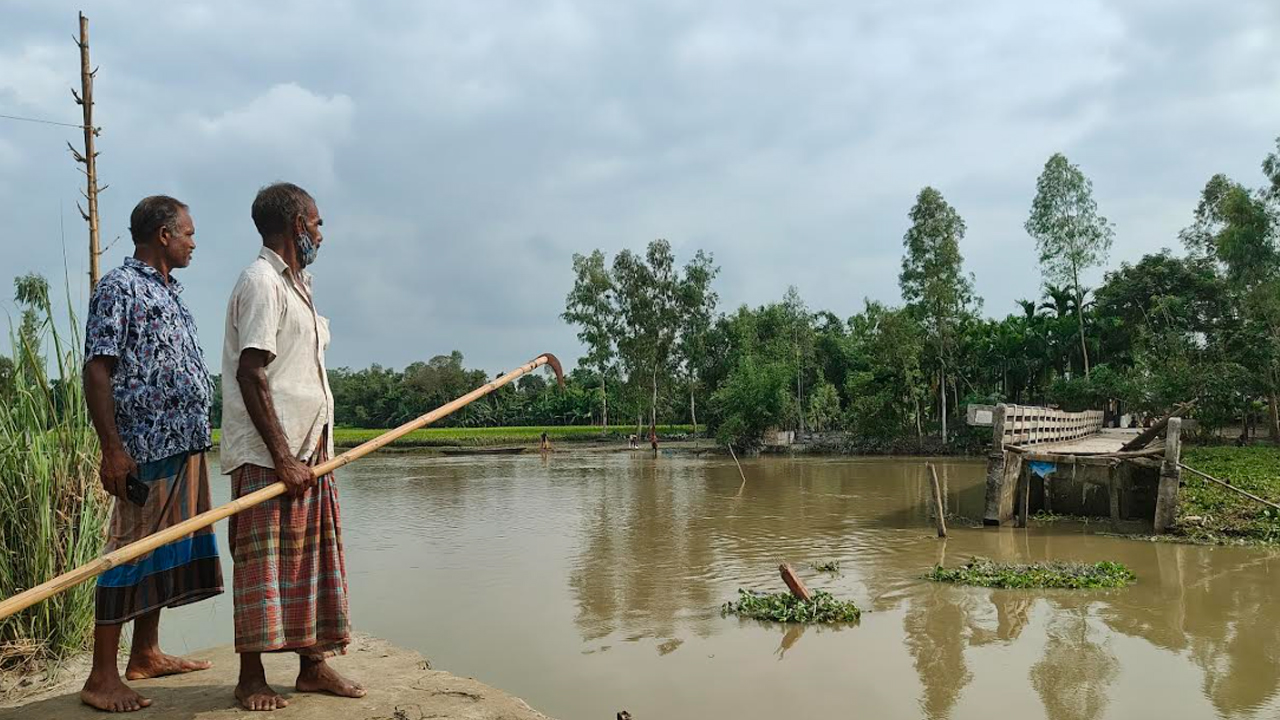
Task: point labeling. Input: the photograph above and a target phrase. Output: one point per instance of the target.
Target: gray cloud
(461, 152)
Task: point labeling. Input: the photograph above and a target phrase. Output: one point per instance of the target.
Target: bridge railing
(1033, 425)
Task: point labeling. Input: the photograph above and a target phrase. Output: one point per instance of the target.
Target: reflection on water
(591, 582)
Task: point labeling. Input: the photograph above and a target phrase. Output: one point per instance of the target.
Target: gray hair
(153, 213)
(277, 205)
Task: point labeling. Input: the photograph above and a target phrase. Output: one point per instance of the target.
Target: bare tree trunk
(604, 401)
(653, 408)
(1084, 347)
(942, 390)
(955, 395)
(919, 427)
(799, 392)
(693, 411)
(1273, 417)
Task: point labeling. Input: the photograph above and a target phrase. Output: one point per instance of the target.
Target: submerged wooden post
(939, 512)
(1013, 472)
(995, 467)
(1170, 478)
(794, 584)
(1023, 499)
(1113, 496)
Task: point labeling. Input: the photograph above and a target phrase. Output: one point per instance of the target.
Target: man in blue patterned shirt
(149, 394)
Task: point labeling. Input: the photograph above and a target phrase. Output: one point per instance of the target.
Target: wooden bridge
(1067, 462)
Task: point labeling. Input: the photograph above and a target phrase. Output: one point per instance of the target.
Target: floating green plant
(1056, 574)
(785, 607)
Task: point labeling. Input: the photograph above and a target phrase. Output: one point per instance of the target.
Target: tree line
(1203, 324)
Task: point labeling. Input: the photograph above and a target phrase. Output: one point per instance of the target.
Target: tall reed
(53, 510)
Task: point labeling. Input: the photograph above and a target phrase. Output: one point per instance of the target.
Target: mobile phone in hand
(136, 490)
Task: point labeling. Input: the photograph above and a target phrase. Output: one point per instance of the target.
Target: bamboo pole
(67, 580)
(939, 514)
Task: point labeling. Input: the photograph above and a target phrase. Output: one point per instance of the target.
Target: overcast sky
(460, 152)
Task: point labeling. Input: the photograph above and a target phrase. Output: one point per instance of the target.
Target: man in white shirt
(290, 575)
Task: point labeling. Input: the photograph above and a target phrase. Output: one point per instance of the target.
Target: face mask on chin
(307, 249)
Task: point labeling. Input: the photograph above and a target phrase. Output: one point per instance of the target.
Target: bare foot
(320, 677)
(158, 665)
(110, 694)
(258, 695)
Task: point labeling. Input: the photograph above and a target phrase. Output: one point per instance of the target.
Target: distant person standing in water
(653, 439)
(546, 442)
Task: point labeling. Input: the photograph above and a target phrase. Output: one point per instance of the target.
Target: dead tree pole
(89, 158)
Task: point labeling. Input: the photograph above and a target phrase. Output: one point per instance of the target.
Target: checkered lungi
(290, 578)
(182, 571)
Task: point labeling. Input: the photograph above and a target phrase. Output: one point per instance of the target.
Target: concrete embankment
(401, 683)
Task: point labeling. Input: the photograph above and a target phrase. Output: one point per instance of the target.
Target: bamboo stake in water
(938, 514)
(735, 462)
(134, 550)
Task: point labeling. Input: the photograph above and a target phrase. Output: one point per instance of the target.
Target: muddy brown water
(589, 583)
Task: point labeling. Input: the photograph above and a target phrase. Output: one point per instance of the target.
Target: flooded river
(589, 583)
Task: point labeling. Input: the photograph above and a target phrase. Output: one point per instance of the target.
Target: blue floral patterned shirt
(162, 387)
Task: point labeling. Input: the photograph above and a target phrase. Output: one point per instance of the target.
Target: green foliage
(1071, 575)
(785, 607)
(886, 388)
(827, 566)
(52, 508)
(1220, 513)
(750, 401)
(824, 407)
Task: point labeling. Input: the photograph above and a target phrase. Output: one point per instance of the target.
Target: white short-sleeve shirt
(272, 310)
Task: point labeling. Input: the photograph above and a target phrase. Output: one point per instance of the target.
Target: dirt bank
(402, 686)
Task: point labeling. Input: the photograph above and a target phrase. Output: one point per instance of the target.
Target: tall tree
(933, 281)
(1070, 234)
(1236, 229)
(31, 291)
(697, 307)
(648, 312)
(799, 329)
(592, 306)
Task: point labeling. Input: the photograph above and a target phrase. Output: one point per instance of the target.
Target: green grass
(1070, 575)
(52, 508)
(1209, 512)
(453, 437)
(785, 607)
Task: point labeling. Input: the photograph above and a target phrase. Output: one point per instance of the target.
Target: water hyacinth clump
(1056, 574)
(785, 607)
(827, 566)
